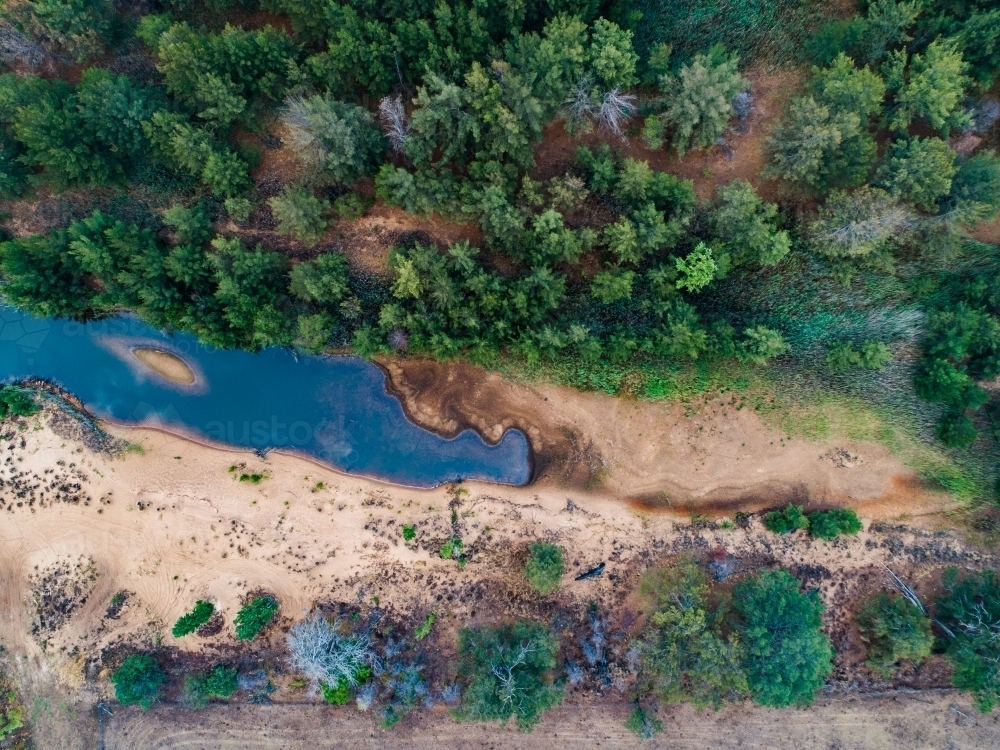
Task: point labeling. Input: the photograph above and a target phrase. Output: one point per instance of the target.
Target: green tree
(683, 651)
(844, 88)
(612, 286)
(254, 616)
(78, 28)
(507, 671)
(747, 225)
(970, 608)
(975, 189)
(301, 214)
(820, 146)
(761, 344)
(544, 567)
(193, 226)
(859, 223)
(191, 149)
(322, 280)
(612, 59)
(17, 401)
(930, 87)
(786, 656)
(138, 680)
(556, 60)
(191, 621)
(895, 630)
(919, 171)
(701, 99)
(873, 355)
(697, 270)
(338, 142)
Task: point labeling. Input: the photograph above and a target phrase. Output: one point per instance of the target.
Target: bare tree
(615, 109)
(579, 108)
(15, 47)
(393, 116)
(319, 651)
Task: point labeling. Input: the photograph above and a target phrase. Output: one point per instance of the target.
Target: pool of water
(335, 409)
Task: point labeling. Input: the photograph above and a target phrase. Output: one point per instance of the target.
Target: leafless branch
(393, 117)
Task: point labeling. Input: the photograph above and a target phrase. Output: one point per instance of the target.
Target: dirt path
(904, 721)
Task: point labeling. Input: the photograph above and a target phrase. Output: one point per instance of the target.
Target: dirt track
(900, 722)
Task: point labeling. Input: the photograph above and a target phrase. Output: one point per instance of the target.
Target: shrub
(194, 619)
(956, 430)
(17, 401)
(451, 548)
(220, 683)
(424, 629)
(895, 630)
(138, 680)
(970, 608)
(642, 724)
(786, 656)
(789, 519)
(507, 670)
(544, 567)
(873, 355)
(409, 532)
(254, 616)
(829, 524)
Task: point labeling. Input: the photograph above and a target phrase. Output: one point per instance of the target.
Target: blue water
(335, 409)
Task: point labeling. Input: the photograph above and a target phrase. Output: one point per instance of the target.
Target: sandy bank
(166, 365)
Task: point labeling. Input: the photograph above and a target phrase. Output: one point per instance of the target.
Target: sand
(166, 365)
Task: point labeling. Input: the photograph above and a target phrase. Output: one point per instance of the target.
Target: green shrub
(450, 549)
(642, 724)
(544, 567)
(970, 608)
(895, 630)
(409, 532)
(254, 617)
(507, 671)
(300, 214)
(190, 622)
(786, 656)
(220, 683)
(336, 695)
(829, 524)
(424, 629)
(17, 401)
(956, 430)
(138, 680)
(783, 521)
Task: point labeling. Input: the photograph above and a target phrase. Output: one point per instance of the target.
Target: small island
(166, 365)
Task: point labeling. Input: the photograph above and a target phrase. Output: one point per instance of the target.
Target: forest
(146, 125)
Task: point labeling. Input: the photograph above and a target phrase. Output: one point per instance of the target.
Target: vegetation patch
(190, 622)
(254, 616)
(544, 567)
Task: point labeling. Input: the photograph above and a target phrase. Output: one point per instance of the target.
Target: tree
(930, 87)
(858, 223)
(254, 616)
(184, 146)
(138, 680)
(78, 28)
(301, 214)
(697, 270)
(43, 278)
(844, 88)
(326, 657)
(612, 286)
(544, 567)
(886, 24)
(507, 671)
(555, 61)
(701, 100)
(683, 651)
(747, 225)
(919, 171)
(338, 142)
(970, 608)
(17, 401)
(193, 226)
(761, 344)
(975, 189)
(820, 146)
(322, 280)
(895, 630)
(191, 621)
(829, 524)
(612, 58)
(786, 656)
(873, 355)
